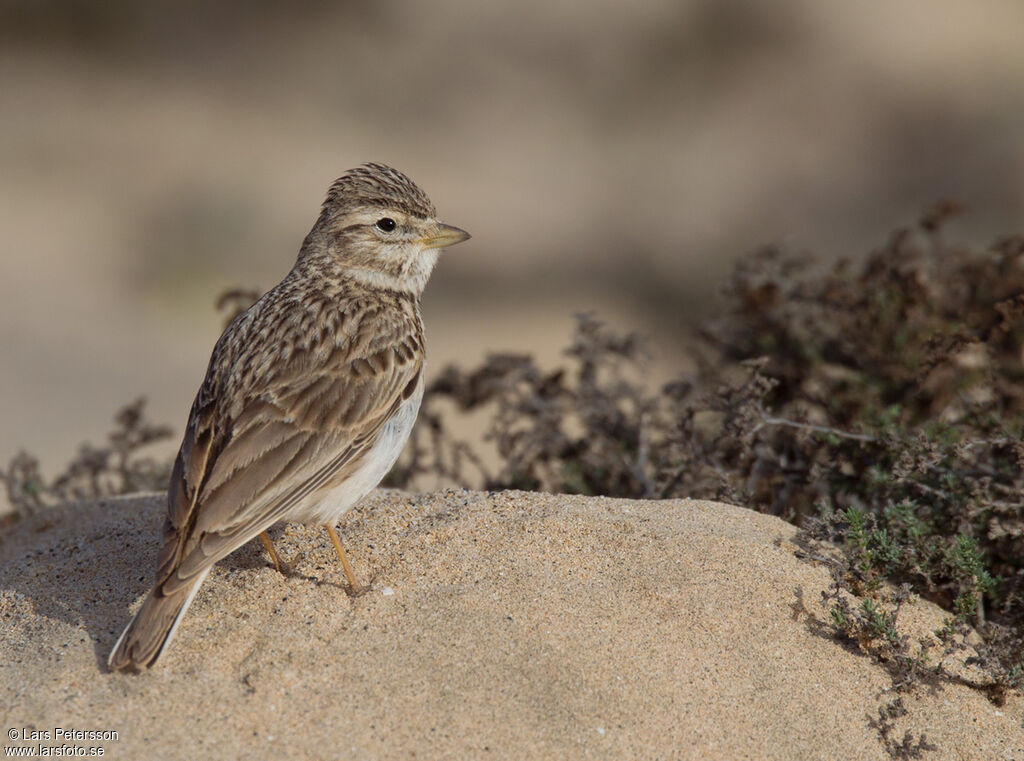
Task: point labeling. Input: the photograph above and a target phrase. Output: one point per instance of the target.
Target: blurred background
(607, 156)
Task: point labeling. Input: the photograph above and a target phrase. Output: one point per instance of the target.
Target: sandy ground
(504, 625)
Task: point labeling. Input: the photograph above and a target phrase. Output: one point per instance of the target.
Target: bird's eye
(387, 224)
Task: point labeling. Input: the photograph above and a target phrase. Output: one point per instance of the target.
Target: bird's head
(379, 228)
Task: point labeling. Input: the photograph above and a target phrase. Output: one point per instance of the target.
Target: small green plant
(973, 579)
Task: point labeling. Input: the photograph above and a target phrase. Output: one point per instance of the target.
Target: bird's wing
(252, 452)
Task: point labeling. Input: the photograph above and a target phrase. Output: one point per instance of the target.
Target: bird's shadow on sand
(86, 565)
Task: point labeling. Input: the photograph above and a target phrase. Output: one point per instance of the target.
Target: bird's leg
(265, 538)
(344, 559)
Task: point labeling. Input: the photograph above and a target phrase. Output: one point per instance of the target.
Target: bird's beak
(444, 235)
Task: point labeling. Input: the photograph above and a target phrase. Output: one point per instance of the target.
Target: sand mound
(498, 626)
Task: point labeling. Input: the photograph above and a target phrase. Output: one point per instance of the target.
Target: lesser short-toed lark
(309, 397)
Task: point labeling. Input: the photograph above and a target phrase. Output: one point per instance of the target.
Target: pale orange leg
(265, 538)
(344, 558)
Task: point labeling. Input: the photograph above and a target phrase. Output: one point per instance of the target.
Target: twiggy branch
(769, 420)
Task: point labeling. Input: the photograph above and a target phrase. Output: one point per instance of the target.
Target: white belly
(327, 507)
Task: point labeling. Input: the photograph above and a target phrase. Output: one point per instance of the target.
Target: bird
(308, 399)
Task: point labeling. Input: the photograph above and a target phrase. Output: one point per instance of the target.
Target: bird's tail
(148, 634)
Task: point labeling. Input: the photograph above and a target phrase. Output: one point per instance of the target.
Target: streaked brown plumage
(308, 397)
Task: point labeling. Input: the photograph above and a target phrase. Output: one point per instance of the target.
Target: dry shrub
(118, 467)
